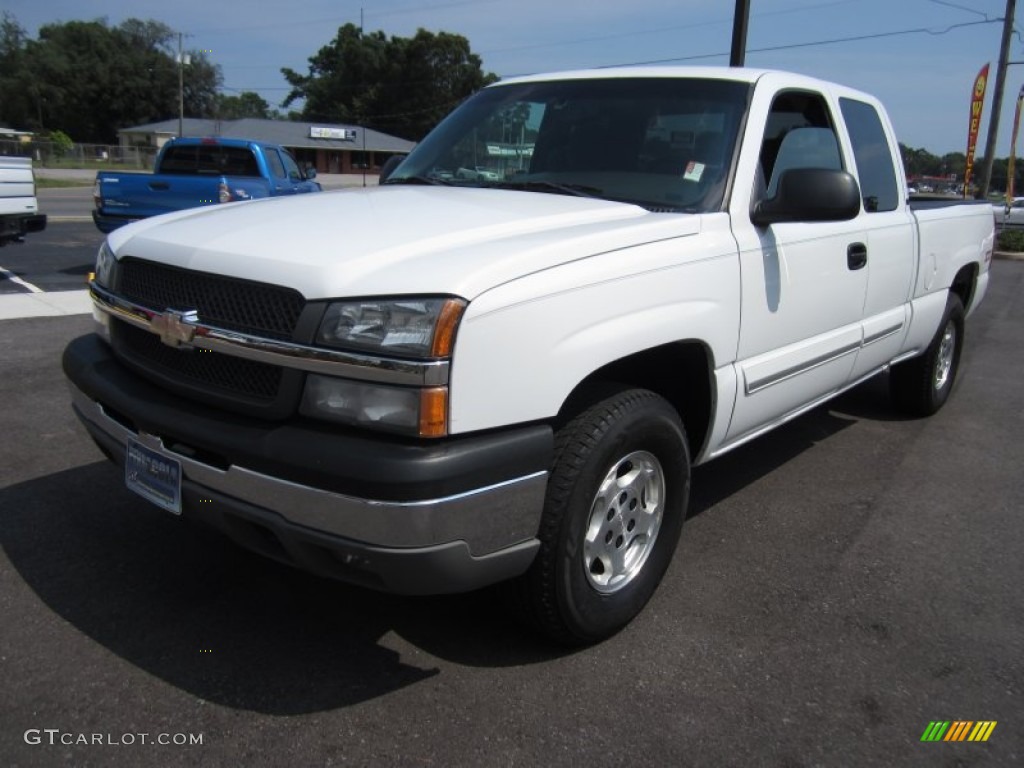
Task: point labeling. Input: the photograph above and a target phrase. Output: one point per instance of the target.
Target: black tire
(633, 441)
(920, 386)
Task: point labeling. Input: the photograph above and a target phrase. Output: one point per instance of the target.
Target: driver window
(276, 167)
(799, 134)
(291, 167)
(805, 148)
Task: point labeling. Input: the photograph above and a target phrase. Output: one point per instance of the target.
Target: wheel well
(680, 372)
(963, 284)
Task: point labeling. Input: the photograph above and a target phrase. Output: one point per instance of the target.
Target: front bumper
(15, 227)
(401, 516)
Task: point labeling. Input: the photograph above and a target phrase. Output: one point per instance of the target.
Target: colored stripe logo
(958, 730)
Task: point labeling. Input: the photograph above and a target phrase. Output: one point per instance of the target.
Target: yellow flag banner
(1013, 149)
(977, 103)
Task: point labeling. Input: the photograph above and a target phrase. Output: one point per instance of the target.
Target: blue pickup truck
(192, 172)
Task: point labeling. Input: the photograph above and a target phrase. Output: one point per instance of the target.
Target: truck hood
(395, 240)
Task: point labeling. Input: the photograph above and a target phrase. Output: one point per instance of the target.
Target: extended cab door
(804, 283)
(891, 244)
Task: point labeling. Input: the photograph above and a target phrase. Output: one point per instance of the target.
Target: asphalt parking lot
(840, 584)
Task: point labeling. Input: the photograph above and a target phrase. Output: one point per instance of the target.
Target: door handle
(856, 256)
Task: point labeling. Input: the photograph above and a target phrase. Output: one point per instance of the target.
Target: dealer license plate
(153, 476)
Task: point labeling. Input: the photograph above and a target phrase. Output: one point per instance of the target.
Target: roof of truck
(732, 74)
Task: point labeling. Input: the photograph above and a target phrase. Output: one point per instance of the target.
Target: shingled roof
(284, 132)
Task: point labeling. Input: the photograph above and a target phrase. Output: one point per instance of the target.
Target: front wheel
(617, 497)
(920, 386)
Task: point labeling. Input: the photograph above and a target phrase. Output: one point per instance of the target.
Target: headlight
(407, 410)
(403, 327)
(105, 265)
(414, 327)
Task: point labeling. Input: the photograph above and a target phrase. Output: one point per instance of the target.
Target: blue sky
(919, 56)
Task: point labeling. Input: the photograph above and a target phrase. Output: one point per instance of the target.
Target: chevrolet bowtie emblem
(175, 328)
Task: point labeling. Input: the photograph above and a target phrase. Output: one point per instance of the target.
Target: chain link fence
(46, 154)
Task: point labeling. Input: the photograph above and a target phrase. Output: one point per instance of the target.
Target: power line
(1016, 29)
(674, 28)
(811, 44)
(339, 22)
(766, 49)
(961, 8)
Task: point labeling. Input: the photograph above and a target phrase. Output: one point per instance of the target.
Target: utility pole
(997, 101)
(182, 61)
(740, 18)
(181, 90)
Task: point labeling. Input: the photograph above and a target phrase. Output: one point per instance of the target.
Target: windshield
(663, 143)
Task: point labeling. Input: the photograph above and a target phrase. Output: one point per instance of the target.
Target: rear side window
(209, 160)
(872, 155)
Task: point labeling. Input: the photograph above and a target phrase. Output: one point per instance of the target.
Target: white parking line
(18, 281)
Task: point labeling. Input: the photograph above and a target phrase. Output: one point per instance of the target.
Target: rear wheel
(616, 501)
(921, 386)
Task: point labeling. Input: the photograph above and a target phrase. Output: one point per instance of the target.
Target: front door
(803, 283)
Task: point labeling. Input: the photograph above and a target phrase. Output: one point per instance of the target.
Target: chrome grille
(231, 303)
(208, 370)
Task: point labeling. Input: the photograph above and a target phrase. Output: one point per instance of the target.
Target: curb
(1009, 255)
(17, 306)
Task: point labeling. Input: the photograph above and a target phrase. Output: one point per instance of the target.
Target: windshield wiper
(576, 190)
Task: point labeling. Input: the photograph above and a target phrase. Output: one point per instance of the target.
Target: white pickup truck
(19, 210)
(442, 383)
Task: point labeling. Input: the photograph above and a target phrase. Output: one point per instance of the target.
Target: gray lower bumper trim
(486, 519)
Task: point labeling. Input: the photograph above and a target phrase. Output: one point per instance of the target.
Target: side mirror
(310, 172)
(389, 167)
(810, 194)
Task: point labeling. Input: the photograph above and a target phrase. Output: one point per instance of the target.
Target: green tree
(17, 105)
(402, 86)
(89, 79)
(62, 143)
(921, 162)
(245, 104)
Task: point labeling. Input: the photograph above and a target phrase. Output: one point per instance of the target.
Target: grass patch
(1010, 240)
(42, 183)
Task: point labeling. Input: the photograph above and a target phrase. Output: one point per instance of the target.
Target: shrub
(62, 143)
(1010, 240)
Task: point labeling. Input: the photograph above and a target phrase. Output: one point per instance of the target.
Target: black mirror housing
(810, 194)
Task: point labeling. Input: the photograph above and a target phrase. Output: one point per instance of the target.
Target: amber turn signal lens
(447, 323)
(434, 412)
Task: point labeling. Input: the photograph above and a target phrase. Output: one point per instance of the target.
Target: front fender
(523, 347)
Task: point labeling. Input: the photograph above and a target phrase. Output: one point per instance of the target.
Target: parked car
(1009, 215)
(479, 173)
(196, 172)
(511, 380)
(19, 209)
